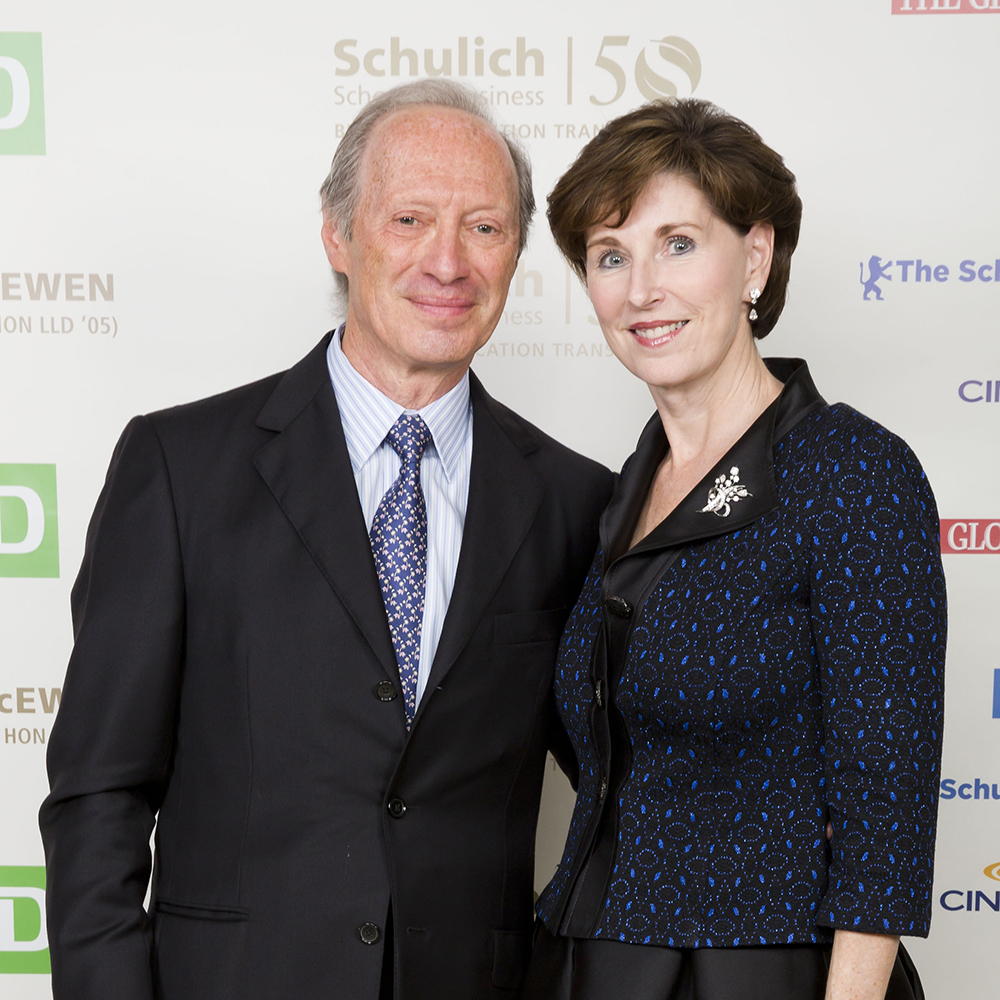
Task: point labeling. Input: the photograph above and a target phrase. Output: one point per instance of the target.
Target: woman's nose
(645, 284)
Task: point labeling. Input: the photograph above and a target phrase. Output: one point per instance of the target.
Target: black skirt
(565, 968)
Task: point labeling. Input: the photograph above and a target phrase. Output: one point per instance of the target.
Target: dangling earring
(754, 296)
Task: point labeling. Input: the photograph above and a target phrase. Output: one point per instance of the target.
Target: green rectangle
(24, 944)
(29, 521)
(22, 93)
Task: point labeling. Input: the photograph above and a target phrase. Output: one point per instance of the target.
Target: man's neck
(411, 388)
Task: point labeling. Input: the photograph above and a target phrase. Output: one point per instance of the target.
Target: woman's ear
(761, 246)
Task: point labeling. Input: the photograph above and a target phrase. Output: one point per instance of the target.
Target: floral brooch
(726, 491)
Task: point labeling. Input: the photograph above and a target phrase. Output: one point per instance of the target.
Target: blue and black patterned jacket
(768, 659)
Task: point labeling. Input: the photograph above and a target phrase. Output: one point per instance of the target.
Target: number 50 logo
(665, 67)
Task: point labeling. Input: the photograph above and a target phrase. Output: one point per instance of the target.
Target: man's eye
(485, 227)
(407, 220)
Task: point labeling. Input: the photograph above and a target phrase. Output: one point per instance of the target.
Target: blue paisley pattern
(778, 676)
(399, 545)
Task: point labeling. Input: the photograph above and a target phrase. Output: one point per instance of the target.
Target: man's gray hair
(341, 191)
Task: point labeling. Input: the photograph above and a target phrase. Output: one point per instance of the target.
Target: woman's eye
(680, 244)
(610, 258)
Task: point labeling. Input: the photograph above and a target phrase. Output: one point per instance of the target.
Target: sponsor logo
(918, 271)
(946, 6)
(996, 694)
(992, 871)
(964, 537)
(970, 900)
(952, 788)
(877, 271)
(29, 533)
(22, 99)
(24, 946)
(974, 390)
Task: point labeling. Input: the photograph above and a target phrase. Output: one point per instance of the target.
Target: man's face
(433, 247)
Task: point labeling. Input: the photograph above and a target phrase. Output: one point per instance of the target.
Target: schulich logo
(967, 537)
(969, 791)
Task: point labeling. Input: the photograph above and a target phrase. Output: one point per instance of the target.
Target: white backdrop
(164, 162)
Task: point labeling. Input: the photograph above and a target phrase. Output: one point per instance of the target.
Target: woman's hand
(860, 965)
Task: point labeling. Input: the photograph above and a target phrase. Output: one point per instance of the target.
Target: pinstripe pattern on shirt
(367, 414)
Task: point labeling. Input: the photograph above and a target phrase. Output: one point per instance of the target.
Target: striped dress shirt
(367, 415)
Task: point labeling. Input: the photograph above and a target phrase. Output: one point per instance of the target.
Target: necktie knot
(409, 437)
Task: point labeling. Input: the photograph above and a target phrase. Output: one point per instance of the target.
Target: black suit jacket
(230, 636)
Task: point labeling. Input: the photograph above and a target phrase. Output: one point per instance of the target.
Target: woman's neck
(702, 420)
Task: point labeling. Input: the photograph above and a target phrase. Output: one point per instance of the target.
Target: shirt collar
(752, 455)
(368, 414)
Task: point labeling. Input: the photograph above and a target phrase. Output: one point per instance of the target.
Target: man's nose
(445, 256)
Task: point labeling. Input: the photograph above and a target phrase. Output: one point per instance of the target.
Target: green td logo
(24, 945)
(22, 101)
(29, 533)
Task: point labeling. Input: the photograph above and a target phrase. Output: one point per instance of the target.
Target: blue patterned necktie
(399, 544)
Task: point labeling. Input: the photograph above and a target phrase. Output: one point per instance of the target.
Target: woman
(752, 677)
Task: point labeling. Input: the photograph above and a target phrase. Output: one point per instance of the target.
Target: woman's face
(670, 287)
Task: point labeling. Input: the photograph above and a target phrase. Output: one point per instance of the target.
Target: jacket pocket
(529, 626)
(511, 952)
(199, 911)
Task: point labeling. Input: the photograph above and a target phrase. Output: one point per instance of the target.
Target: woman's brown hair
(744, 180)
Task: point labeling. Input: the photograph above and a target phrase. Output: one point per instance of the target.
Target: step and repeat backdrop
(159, 241)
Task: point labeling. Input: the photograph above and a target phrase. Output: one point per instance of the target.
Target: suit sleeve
(111, 746)
(878, 614)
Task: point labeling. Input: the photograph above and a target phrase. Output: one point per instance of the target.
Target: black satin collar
(752, 455)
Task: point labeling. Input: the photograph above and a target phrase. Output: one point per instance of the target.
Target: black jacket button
(396, 808)
(619, 607)
(385, 691)
(369, 933)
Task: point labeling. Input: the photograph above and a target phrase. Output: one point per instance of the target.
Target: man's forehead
(426, 137)
(420, 120)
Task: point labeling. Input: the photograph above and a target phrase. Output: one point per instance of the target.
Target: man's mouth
(654, 334)
(442, 306)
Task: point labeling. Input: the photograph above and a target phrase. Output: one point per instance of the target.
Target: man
(315, 628)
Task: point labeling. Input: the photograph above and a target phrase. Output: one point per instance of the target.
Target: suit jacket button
(369, 933)
(619, 607)
(385, 691)
(396, 808)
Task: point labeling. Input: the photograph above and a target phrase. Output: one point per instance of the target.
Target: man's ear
(335, 244)
(761, 239)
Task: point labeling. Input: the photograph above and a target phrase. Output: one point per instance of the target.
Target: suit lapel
(307, 468)
(504, 496)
